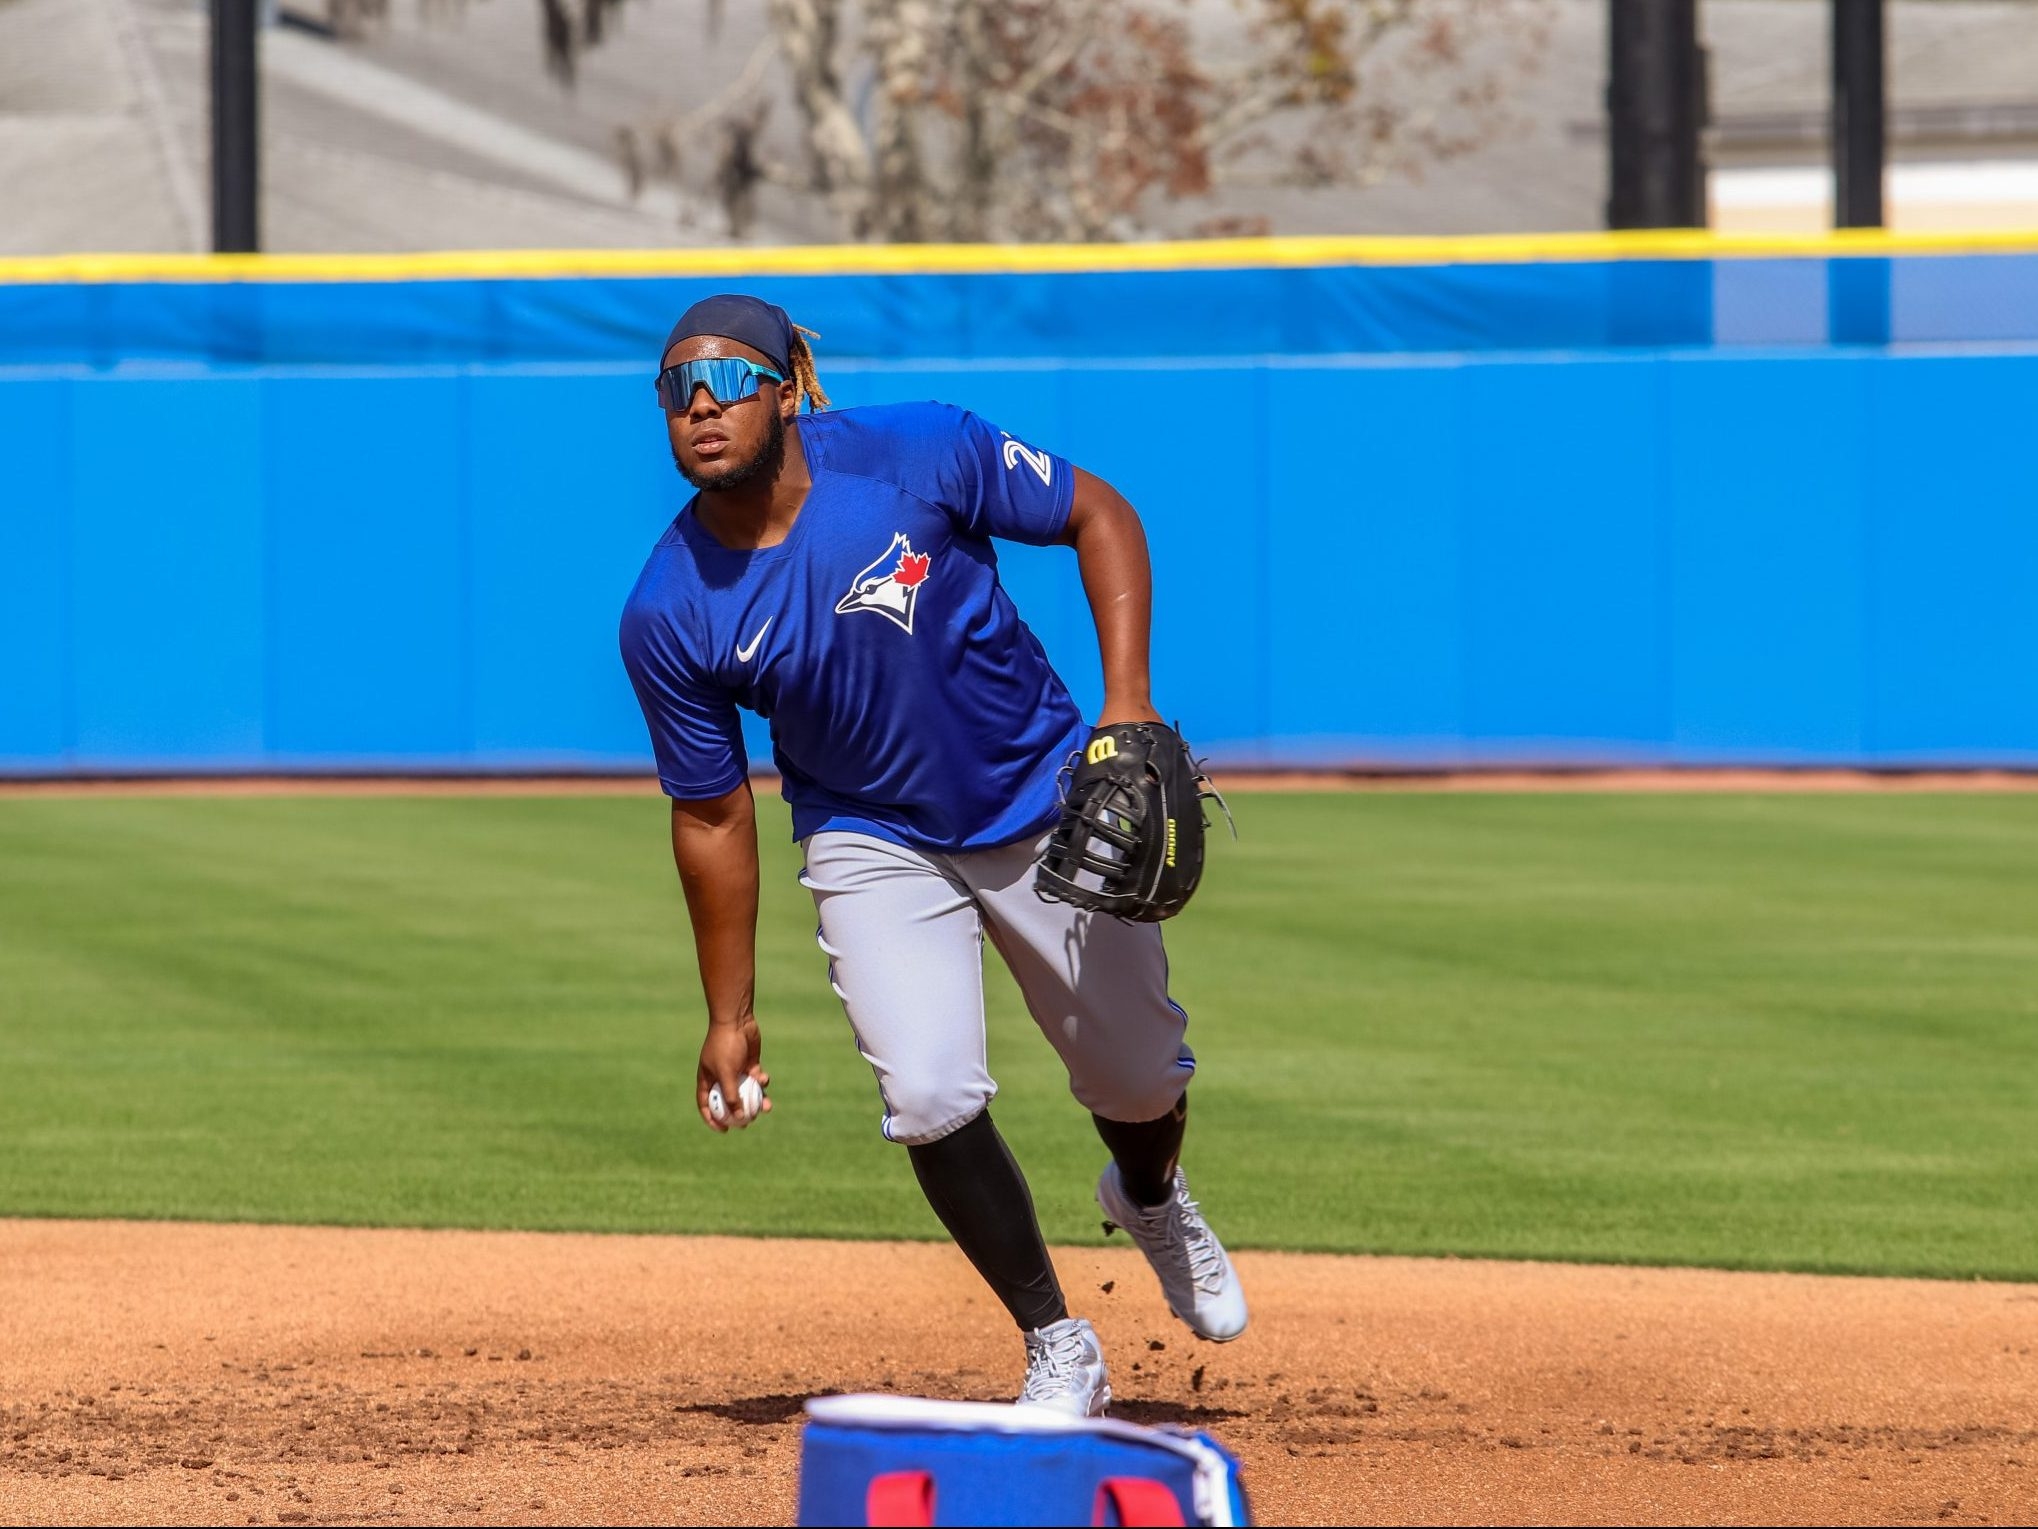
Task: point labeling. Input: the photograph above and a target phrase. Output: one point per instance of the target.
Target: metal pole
(1859, 148)
(236, 224)
(1655, 105)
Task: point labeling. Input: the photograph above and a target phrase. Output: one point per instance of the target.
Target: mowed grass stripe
(1746, 1031)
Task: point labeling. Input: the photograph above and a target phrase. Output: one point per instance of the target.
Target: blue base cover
(997, 1464)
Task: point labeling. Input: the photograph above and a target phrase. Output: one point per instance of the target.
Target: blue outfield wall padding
(360, 585)
(1860, 303)
(1062, 316)
(1946, 300)
(1560, 577)
(168, 581)
(1763, 556)
(1951, 552)
(1363, 493)
(36, 497)
(570, 484)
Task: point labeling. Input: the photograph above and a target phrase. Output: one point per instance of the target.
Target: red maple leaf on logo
(912, 568)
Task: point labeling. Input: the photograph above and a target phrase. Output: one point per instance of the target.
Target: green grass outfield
(1740, 1030)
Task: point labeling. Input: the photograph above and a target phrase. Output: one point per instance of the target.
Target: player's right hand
(728, 1055)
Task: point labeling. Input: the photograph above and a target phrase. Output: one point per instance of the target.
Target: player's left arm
(1110, 548)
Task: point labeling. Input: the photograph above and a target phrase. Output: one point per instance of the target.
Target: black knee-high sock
(977, 1190)
(1146, 1151)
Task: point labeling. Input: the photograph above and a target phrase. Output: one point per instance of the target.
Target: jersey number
(1037, 460)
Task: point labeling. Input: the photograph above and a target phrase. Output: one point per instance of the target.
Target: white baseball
(748, 1094)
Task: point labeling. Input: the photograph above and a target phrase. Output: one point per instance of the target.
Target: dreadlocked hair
(803, 368)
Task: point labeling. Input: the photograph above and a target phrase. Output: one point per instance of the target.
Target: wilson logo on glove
(1130, 839)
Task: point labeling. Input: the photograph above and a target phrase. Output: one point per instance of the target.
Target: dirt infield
(232, 1374)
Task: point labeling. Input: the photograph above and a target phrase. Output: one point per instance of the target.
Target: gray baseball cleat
(1065, 1369)
(1197, 1278)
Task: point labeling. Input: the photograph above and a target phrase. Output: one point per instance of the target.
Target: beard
(727, 475)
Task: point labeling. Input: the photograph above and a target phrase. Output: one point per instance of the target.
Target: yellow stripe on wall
(956, 259)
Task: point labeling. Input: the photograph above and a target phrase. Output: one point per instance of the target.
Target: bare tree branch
(1028, 119)
(899, 44)
(807, 32)
(569, 28)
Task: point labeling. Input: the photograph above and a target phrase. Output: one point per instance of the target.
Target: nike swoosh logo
(746, 653)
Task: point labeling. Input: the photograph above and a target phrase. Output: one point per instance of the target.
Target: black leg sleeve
(977, 1190)
(1146, 1151)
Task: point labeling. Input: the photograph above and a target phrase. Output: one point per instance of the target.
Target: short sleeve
(1008, 487)
(695, 734)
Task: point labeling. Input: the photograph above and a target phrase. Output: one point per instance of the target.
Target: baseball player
(836, 574)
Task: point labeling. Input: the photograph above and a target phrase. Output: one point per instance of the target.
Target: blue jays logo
(890, 585)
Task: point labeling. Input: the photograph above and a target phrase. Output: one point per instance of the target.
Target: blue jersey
(906, 698)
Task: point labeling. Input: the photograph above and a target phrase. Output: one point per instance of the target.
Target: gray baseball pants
(903, 930)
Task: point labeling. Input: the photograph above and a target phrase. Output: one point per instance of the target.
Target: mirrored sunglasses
(728, 379)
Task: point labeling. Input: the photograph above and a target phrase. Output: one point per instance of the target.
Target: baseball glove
(1130, 840)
